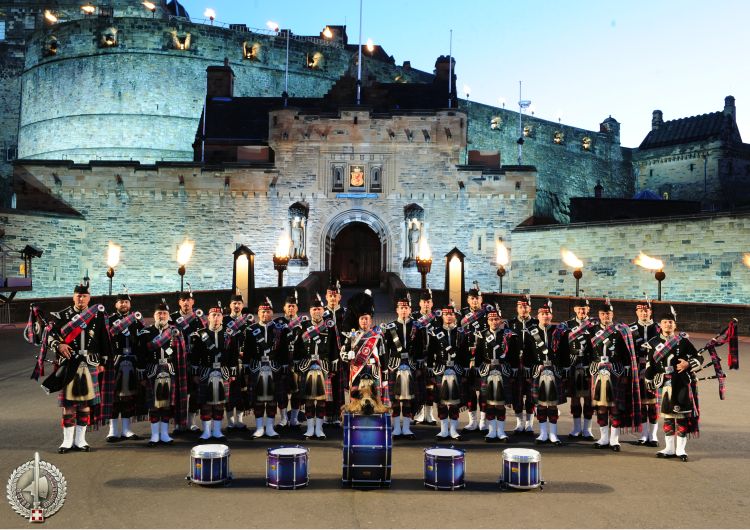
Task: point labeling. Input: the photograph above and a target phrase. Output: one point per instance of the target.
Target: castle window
(11, 153)
(2, 30)
(495, 123)
(314, 61)
(650, 172)
(586, 143)
(375, 179)
(559, 137)
(527, 130)
(665, 195)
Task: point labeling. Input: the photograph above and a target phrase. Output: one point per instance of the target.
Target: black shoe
(63, 450)
(152, 444)
(170, 442)
(575, 436)
(131, 437)
(615, 448)
(83, 449)
(442, 438)
(320, 437)
(112, 439)
(663, 455)
(684, 458)
(558, 443)
(652, 443)
(433, 423)
(597, 445)
(640, 442)
(588, 438)
(459, 439)
(411, 436)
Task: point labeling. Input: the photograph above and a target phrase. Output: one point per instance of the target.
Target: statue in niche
(180, 42)
(298, 238)
(51, 46)
(414, 236)
(108, 38)
(251, 51)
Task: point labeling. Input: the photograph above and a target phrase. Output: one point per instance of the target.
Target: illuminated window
(527, 130)
(2, 30)
(559, 137)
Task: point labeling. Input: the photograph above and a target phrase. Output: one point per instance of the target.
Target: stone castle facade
(110, 154)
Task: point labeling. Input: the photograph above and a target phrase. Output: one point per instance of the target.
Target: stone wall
(566, 169)
(703, 258)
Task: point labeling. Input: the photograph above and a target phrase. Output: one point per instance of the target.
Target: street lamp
(281, 257)
(210, 14)
(652, 264)
(424, 261)
(571, 260)
(183, 256)
(113, 258)
(502, 259)
(151, 7)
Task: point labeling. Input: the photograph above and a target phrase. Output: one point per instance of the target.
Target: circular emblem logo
(36, 488)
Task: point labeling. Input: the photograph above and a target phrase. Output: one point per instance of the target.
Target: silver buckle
(216, 366)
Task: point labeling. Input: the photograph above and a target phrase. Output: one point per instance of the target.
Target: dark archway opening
(356, 256)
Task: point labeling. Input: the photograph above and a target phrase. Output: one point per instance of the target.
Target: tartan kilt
(462, 387)
(578, 383)
(419, 387)
(559, 390)
(95, 401)
(203, 392)
(236, 396)
(150, 391)
(251, 384)
(507, 391)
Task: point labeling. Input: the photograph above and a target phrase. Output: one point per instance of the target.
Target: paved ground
(129, 485)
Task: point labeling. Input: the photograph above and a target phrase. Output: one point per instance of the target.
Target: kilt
(418, 387)
(578, 384)
(96, 400)
(203, 393)
(150, 394)
(462, 388)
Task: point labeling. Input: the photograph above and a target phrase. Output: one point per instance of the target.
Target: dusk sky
(579, 60)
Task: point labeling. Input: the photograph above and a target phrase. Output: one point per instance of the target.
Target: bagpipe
(184, 321)
(472, 318)
(163, 338)
(121, 325)
(235, 326)
(727, 335)
(426, 321)
(297, 322)
(36, 326)
(313, 332)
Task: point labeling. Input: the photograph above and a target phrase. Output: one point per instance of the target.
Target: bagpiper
(473, 321)
(188, 321)
(671, 367)
(402, 341)
(121, 388)
(339, 374)
(214, 354)
(261, 357)
(314, 353)
(576, 351)
(615, 391)
(520, 358)
(425, 319)
(238, 401)
(491, 358)
(291, 325)
(78, 337)
(448, 360)
(644, 329)
(163, 368)
(546, 387)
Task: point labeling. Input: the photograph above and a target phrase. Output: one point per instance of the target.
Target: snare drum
(444, 468)
(522, 469)
(286, 468)
(209, 464)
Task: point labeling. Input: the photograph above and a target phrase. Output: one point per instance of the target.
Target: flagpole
(359, 61)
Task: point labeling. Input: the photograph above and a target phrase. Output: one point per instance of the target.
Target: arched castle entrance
(355, 248)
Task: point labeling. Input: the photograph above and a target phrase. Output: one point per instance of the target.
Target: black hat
(82, 288)
(475, 291)
(236, 298)
(494, 310)
(404, 300)
(292, 299)
(581, 302)
(185, 295)
(668, 314)
(265, 305)
(123, 296)
(335, 287)
(546, 307)
(426, 294)
(524, 300)
(605, 306)
(449, 308)
(317, 301)
(161, 307)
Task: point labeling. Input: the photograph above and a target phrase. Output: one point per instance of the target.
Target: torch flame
(184, 252)
(149, 5)
(327, 33)
(647, 262)
(570, 259)
(209, 13)
(423, 253)
(370, 46)
(273, 26)
(51, 18)
(746, 259)
(88, 9)
(502, 254)
(285, 243)
(113, 255)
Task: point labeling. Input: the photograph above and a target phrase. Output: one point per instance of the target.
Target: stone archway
(346, 230)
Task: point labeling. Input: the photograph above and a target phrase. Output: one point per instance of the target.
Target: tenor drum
(444, 468)
(522, 469)
(367, 451)
(286, 468)
(209, 464)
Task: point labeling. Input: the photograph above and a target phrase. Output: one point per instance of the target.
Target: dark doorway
(355, 258)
